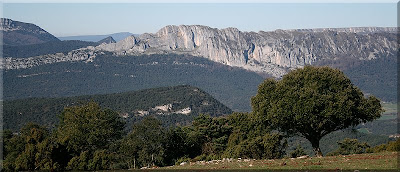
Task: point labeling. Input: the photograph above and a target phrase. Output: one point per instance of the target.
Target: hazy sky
(105, 18)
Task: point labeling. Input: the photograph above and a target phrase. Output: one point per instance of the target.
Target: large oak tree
(313, 102)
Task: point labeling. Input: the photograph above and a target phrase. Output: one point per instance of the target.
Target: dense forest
(50, 47)
(128, 104)
(109, 74)
(232, 86)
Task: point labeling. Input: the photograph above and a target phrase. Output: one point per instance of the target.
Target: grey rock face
(359, 30)
(273, 52)
(84, 54)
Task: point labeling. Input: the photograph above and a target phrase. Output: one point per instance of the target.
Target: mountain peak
(107, 40)
(20, 33)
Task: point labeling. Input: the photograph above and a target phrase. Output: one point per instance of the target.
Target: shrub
(269, 146)
(299, 151)
(350, 146)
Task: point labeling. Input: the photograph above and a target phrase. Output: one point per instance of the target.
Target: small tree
(313, 102)
(299, 151)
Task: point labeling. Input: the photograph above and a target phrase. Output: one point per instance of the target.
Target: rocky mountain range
(266, 52)
(273, 52)
(20, 33)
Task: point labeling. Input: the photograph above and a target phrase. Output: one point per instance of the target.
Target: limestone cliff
(273, 52)
(270, 52)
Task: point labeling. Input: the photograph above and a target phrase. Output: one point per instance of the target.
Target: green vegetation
(51, 47)
(313, 102)
(377, 77)
(350, 146)
(94, 136)
(390, 146)
(91, 138)
(110, 74)
(43, 110)
(299, 151)
(328, 142)
(380, 127)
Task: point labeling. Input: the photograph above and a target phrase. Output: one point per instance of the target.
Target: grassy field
(375, 161)
(390, 111)
(389, 108)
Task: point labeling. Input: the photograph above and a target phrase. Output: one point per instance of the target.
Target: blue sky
(105, 18)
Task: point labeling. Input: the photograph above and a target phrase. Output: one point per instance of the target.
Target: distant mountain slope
(107, 40)
(51, 47)
(377, 76)
(173, 105)
(19, 33)
(95, 38)
(109, 74)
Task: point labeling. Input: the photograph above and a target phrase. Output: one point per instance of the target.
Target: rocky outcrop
(273, 52)
(270, 52)
(84, 54)
(359, 30)
(19, 33)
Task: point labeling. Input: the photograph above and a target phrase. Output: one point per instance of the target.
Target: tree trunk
(152, 159)
(316, 149)
(317, 152)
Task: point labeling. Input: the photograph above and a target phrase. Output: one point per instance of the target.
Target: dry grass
(375, 161)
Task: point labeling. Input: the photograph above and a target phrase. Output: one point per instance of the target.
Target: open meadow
(374, 161)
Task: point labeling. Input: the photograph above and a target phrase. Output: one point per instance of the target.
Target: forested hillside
(110, 74)
(173, 105)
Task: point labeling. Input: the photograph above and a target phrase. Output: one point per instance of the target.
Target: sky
(69, 19)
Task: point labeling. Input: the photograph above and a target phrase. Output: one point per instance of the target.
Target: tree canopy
(313, 102)
(88, 127)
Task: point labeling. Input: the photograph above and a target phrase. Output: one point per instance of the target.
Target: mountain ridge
(174, 104)
(275, 52)
(20, 33)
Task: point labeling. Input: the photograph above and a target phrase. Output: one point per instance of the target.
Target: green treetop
(313, 102)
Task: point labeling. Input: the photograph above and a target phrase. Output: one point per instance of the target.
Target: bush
(394, 145)
(378, 148)
(391, 146)
(269, 146)
(299, 151)
(350, 146)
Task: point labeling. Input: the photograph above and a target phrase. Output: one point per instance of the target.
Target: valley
(185, 88)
